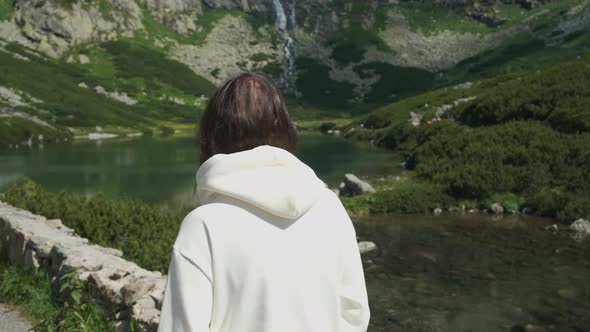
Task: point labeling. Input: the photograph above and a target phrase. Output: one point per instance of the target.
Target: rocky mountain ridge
(315, 49)
(53, 26)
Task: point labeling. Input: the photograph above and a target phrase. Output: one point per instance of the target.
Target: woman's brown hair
(245, 112)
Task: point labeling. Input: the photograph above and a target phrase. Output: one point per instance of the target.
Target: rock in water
(438, 211)
(366, 247)
(581, 230)
(497, 208)
(354, 186)
(581, 225)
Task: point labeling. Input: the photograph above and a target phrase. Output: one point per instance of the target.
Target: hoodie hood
(266, 177)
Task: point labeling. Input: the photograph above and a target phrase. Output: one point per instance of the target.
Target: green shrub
(558, 95)
(6, 9)
(429, 17)
(16, 130)
(259, 57)
(347, 51)
(105, 7)
(577, 206)
(519, 157)
(400, 137)
(410, 197)
(561, 205)
(407, 196)
(317, 88)
(138, 61)
(56, 84)
(324, 127)
(144, 233)
(394, 82)
(350, 44)
(509, 201)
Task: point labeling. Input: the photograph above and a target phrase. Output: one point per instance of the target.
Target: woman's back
(270, 249)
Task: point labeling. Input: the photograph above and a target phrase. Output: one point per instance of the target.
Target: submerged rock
(567, 293)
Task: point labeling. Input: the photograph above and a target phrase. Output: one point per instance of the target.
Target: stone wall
(126, 291)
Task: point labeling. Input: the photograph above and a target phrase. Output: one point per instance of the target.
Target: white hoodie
(270, 250)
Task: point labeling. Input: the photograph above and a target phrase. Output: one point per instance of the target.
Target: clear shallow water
(162, 170)
(450, 273)
(475, 274)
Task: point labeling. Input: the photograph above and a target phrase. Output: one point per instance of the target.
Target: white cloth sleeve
(188, 298)
(354, 303)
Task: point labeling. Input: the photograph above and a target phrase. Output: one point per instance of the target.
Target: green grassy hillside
(522, 139)
(65, 96)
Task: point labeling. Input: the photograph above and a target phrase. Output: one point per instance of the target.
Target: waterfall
(289, 72)
(287, 79)
(293, 15)
(281, 19)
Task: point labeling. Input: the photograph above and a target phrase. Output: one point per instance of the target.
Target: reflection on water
(473, 273)
(163, 171)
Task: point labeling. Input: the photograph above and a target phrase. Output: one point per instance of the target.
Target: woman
(270, 248)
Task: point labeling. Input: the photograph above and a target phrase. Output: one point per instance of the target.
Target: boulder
(353, 186)
(581, 230)
(134, 290)
(497, 208)
(455, 209)
(437, 211)
(84, 59)
(415, 119)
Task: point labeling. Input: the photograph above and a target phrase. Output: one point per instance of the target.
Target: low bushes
(144, 233)
(16, 130)
(138, 61)
(520, 140)
(407, 196)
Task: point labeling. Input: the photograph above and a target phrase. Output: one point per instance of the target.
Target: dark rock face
(318, 15)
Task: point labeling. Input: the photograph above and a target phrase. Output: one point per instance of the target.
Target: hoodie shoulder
(193, 241)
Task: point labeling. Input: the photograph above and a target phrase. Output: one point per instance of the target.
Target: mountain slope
(357, 46)
(521, 139)
(129, 64)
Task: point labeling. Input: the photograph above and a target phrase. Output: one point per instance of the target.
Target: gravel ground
(10, 321)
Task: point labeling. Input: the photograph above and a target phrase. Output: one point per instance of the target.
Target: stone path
(10, 321)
